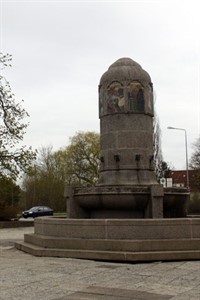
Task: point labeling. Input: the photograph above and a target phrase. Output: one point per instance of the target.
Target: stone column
(155, 206)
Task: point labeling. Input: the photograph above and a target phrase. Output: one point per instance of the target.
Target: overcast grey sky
(61, 48)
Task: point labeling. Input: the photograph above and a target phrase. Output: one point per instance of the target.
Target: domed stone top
(124, 61)
(125, 88)
(125, 69)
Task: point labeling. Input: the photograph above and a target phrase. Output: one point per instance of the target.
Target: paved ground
(23, 276)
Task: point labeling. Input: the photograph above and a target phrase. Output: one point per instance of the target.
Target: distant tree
(75, 165)
(13, 159)
(195, 163)
(165, 170)
(158, 157)
(44, 184)
(195, 158)
(9, 198)
(82, 159)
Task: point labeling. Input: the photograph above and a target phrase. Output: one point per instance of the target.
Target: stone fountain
(128, 215)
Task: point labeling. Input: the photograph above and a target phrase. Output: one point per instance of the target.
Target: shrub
(8, 213)
(194, 203)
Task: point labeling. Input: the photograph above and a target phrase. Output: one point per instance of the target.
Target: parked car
(37, 211)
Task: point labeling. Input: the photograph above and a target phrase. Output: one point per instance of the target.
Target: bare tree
(13, 158)
(195, 158)
(158, 157)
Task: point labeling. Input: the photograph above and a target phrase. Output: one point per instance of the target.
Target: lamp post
(186, 152)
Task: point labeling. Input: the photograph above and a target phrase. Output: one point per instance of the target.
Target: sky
(60, 50)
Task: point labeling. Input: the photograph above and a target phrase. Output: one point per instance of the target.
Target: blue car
(37, 211)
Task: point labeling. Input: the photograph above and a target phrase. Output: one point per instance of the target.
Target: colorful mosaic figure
(136, 97)
(115, 98)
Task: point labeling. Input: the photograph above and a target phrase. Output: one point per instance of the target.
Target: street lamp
(186, 152)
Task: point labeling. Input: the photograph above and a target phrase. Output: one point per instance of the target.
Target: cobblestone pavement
(23, 276)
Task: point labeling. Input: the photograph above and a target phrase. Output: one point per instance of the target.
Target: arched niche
(135, 94)
(114, 98)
